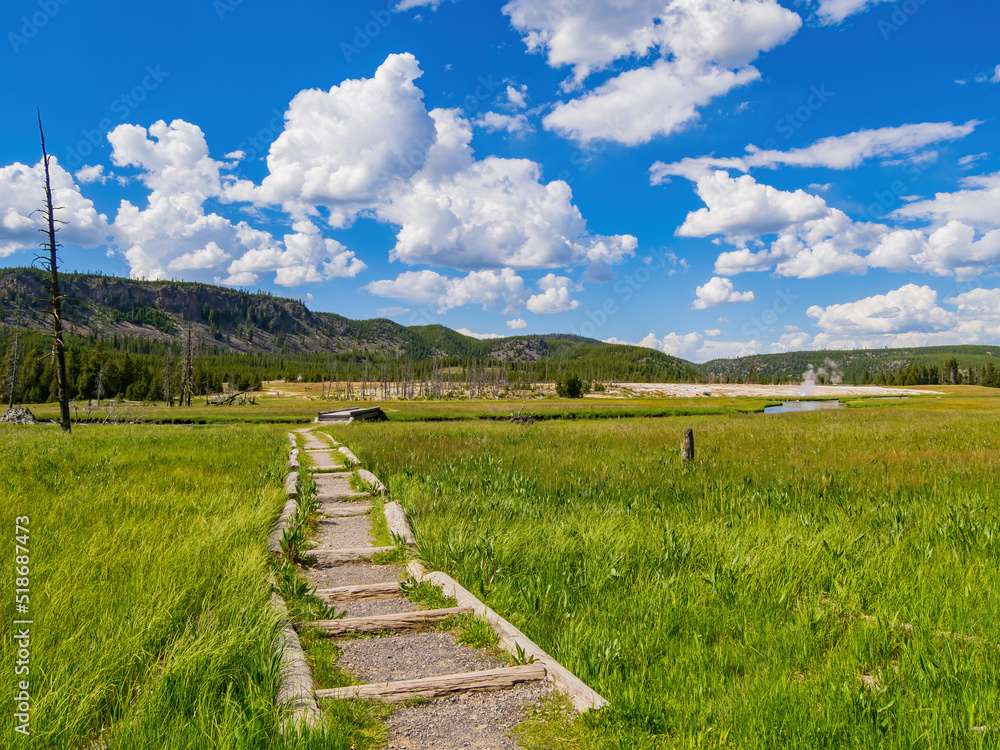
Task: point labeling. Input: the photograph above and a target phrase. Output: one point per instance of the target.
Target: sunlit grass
(729, 603)
(149, 586)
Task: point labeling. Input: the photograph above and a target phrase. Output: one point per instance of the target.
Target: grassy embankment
(788, 590)
(149, 587)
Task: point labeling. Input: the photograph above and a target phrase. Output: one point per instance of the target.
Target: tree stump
(687, 447)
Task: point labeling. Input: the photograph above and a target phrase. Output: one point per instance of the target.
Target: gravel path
(477, 720)
(313, 443)
(332, 486)
(324, 460)
(353, 574)
(411, 657)
(350, 532)
(369, 607)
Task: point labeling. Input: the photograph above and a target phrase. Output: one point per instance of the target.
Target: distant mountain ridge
(232, 321)
(235, 322)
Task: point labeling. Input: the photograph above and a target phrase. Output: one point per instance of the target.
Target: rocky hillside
(230, 321)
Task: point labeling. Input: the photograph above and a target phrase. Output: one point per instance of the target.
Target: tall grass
(149, 586)
(728, 604)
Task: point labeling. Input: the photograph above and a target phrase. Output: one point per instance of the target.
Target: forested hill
(244, 336)
(861, 366)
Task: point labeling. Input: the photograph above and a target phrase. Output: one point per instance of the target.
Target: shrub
(572, 387)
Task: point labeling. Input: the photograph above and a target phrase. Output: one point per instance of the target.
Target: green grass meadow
(149, 587)
(794, 588)
(814, 580)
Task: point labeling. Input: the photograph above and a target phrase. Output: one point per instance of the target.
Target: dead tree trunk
(687, 447)
(50, 263)
(11, 370)
(187, 378)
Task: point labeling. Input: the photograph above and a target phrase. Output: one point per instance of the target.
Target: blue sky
(705, 177)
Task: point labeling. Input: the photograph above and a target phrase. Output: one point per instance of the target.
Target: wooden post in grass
(687, 447)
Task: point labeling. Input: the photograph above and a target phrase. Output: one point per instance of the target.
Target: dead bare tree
(99, 386)
(49, 263)
(167, 385)
(11, 369)
(521, 417)
(187, 376)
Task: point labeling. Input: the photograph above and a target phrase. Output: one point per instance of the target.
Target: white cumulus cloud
(719, 291)
(515, 125)
(22, 192)
(556, 295)
(486, 288)
(742, 206)
(342, 148)
(700, 49)
(473, 214)
(174, 232)
(906, 309)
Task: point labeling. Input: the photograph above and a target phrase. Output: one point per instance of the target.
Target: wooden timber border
(297, 695)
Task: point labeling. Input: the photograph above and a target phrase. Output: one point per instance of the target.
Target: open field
(148, 586)
(298, 403)
(736, 390)
(814, 580)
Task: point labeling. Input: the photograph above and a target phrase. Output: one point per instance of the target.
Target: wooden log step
(389, 590)
(437, 687)
(512, 640)
(331, 556)
(340, 510)
(402, 622)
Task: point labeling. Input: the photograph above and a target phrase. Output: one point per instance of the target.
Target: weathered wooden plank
(401, 622)
(389, 590)
(336, 509)
(437, 687)
(373, 480)
(582, 696)
(295, 686)
(395, 517)
(274, 540)
(331, 556)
